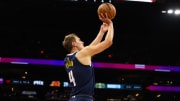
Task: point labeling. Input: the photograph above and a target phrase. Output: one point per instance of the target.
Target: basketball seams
(107, 8)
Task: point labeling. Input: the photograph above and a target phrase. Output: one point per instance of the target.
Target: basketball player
(78, 62)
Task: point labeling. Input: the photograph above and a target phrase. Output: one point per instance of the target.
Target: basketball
(108, 8)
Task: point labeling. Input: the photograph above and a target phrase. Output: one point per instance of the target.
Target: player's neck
(73, 51)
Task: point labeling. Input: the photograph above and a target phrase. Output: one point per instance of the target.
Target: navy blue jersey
(81, 76)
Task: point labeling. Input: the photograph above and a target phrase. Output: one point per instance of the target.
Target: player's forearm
(110, 33)
(98, 38)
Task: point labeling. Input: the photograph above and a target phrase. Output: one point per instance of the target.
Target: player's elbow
(109, 43)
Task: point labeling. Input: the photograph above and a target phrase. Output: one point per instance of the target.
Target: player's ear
(73, 43)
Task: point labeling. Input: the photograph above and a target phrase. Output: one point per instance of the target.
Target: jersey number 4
(71, 78)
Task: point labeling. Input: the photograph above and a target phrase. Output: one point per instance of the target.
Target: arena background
(34, 29)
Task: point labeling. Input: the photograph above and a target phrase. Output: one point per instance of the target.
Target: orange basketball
(108, 8)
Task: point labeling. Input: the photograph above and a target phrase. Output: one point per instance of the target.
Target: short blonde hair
(67, 42)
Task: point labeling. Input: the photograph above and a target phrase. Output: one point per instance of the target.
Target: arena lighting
(177, 12)
(1, 80)
(24, 92)
(172, 11)
(22, 82)
(112, 86)
(38, 82)
(25, 61)
(163, 88)
(150, 1)
(55, 83)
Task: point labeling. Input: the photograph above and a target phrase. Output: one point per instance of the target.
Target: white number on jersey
(71, 78)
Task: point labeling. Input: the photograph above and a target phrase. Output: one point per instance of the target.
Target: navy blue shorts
(81, 98)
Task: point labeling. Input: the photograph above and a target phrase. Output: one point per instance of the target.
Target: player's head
(72, 42)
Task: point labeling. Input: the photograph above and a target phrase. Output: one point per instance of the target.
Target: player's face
(79, 43)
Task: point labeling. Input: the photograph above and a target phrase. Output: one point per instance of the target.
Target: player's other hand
(104, 18)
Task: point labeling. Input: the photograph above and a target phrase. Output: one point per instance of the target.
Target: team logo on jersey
(69, 64)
